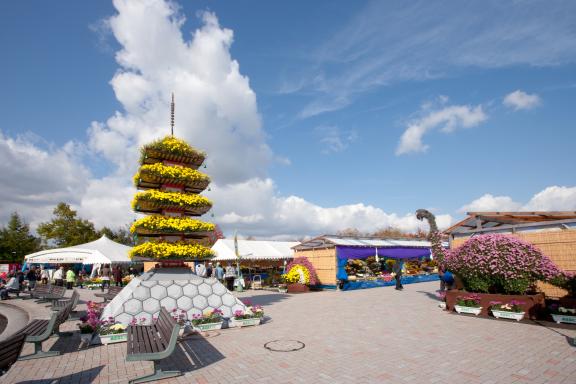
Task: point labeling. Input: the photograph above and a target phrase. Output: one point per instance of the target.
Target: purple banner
(348, 252)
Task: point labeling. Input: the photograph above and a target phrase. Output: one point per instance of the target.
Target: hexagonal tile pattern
(168, 303)
(174, 291)
(200, 302)
(184, 303)
(190, 290)
(143, 299)
(214, 301)
(228, 300)
(141, 293)
(133, 306)
(158, 292)
(204, 290)
(219, 289)
(149, 283)
(151, 305)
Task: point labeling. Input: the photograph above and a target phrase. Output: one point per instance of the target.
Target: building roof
(253, 250)
(486, 221)
(329, 241)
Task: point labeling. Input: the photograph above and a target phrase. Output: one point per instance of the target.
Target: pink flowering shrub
(500, 264)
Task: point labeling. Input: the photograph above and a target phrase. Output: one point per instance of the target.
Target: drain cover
(284, 345)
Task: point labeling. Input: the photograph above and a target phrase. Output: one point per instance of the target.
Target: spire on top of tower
(172, 115)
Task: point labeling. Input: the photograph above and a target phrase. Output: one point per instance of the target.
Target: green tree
(16, 241)
(66, 229)
(120, 235)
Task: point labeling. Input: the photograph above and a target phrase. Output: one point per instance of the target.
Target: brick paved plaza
(368, 336)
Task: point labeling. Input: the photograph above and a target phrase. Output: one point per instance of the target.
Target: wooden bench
(61, 303)
(10, 350)
(56, 293)
(112, 292)
(40, 290)
(152, 343)
(37, 331)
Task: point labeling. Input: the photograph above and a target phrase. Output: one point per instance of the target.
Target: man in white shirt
(59, 277)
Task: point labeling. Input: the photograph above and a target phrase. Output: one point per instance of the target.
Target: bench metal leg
(39, 353)
(158, 374)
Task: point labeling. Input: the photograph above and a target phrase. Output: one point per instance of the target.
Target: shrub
(499, 263)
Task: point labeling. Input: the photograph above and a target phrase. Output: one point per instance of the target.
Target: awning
(253, 250)
(347, 252)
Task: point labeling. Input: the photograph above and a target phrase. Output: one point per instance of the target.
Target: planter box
(298, 288)
(473, 310)
(208, 327)
(534, 305)
(569, 319)
(508, 315)
(244, 322)
(283, 290)
(114, 338)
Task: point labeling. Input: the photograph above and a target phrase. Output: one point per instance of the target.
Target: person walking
(105, 277)
(31, 277)
(398, 271)
(209, 270)
(70, 278)
(59, 277)
(219, 271)
(230, 276)
(118, 276)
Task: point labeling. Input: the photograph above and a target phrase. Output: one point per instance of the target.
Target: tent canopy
(101, 251)
(253, 250)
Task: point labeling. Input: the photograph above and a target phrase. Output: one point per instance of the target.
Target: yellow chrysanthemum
(164, 250)
(171, 224)
(174, 172)
(171, 145)
(171, 198)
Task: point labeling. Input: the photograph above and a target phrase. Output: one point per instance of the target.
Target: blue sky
(316, 116)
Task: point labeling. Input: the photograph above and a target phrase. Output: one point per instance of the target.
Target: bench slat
(35, 328)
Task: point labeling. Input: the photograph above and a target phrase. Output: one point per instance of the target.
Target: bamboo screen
(324, 260)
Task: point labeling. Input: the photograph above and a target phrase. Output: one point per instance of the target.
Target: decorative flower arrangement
(171, 224)
(179, 315)
(165, 250)
(159, 170)
(91, 322)
(127, 279)
(300, 270)
(207, 317)
(512, 306)
(253, 312)
(171, 145)
(112, 328)
(471, 300)
(499, 263)
(558, 310)
(176, 199)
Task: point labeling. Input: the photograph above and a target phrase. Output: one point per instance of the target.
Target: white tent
(253, 250)
(101, 251)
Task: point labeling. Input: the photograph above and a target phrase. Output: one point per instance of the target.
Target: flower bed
(533, 305)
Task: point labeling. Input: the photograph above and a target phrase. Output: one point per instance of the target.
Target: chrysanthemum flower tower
(170, 235)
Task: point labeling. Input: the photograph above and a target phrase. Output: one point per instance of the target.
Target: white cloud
(333, 139)
(34, 179)
(448, 119)
(257, 209)
(554, 198)
(490, 203)
(521, 100)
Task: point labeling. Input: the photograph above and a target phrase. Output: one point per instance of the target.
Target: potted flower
(563, 314)
(111, 332)
(468, 304)
(512, 310)
(86, 332)
(180, 316)
(283, 288)
(90, 323)
(252, 316)
(207, 321)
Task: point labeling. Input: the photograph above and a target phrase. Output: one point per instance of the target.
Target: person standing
(200, 270)
(209, 270)
(70, 278)
(31, 277)
(398, 271)
(59, 277)
(219, 272)
(118, 276)
(44, 276)
(230, 276)
(105, 277)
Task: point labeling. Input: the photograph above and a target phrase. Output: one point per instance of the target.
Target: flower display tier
(171, 182)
